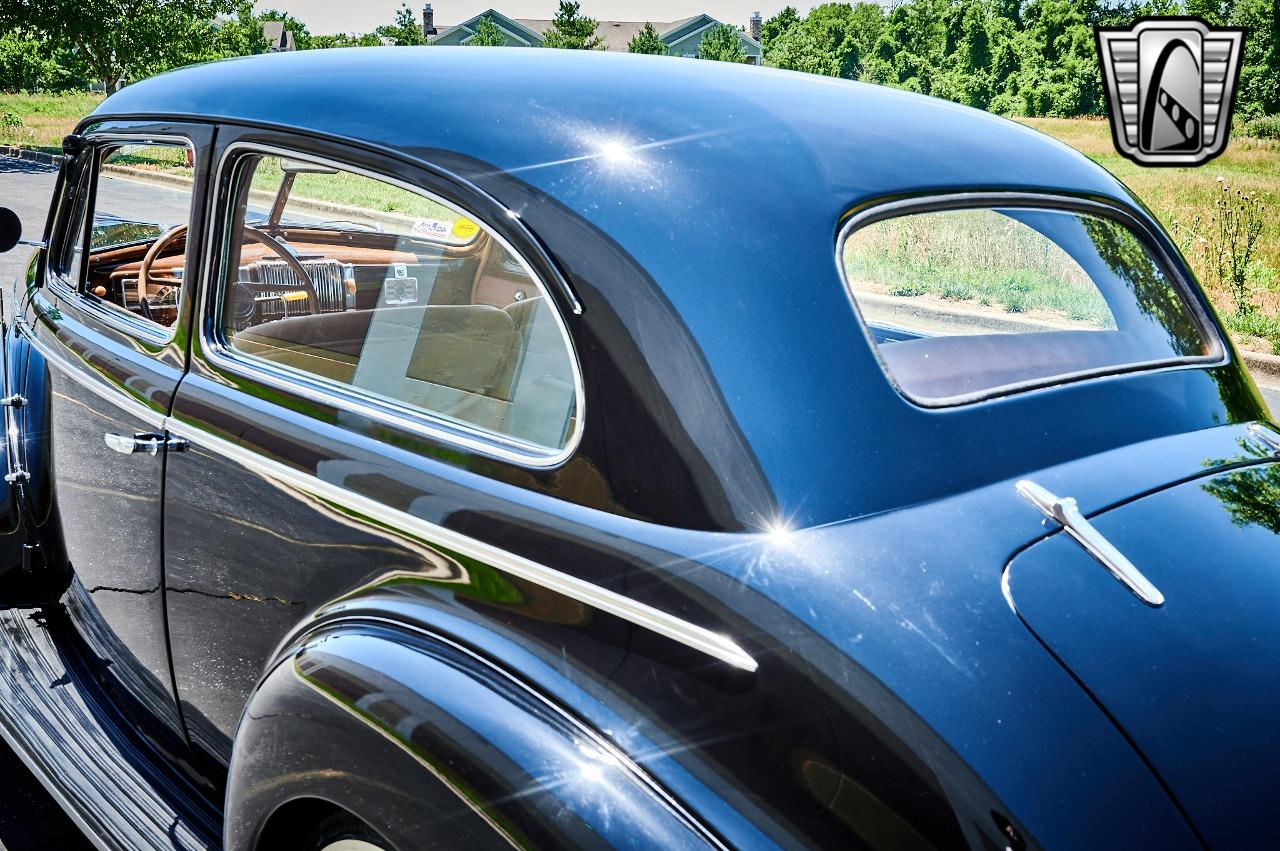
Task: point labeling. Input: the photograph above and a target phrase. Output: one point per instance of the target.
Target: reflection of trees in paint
(1251, 496)
(1157, 298)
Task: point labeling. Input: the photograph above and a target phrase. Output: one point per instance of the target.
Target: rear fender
(435, 746)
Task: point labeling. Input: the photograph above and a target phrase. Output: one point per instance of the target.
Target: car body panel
(660, 286)
(746, 470)
(1192, 682)
(504, 767)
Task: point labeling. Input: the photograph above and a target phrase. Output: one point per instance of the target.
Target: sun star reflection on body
(616, 152)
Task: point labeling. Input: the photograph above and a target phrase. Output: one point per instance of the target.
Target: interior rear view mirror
(10, 229)
(300, 167)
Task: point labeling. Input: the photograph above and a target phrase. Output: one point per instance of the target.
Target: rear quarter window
(967, 303)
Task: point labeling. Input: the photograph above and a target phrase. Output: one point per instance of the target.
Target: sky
(334, 16)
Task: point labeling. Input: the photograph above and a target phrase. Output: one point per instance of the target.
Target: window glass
(141, 204)
(357, 282)
(974, 301)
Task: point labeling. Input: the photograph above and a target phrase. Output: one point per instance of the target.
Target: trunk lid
(1193, 682)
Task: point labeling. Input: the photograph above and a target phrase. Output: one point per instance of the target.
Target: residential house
(681, 37)
(278, 38)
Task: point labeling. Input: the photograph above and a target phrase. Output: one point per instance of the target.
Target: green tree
(301, 35)
(120, 39)
(571, 30)
(404, 31)
(1259, 92)
(797, 49)
(240, 35)
(833, 39)
(26, 66)
(647, 41)
(487, 34)
(722, 44)
(778, 26)
(1059, 73)
(320, 42)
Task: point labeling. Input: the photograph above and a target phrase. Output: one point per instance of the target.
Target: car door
(412, 337)
(115, 354)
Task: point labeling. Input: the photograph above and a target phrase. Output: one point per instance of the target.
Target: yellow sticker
(465, 228)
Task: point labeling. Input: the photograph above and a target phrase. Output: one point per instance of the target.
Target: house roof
(276, 35)
(616, 34)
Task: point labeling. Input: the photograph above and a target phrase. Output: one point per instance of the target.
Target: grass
(976, 256)
(351, 190)
(40, 121)
(1180, 194)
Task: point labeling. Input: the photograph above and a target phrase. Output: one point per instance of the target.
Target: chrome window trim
(641, 614)
(121, 318)
(1218, 354)
(412, 419)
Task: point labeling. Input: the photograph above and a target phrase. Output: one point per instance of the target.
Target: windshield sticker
(437, 228)
(464, 229)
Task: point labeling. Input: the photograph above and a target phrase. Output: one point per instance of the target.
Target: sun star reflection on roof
(616, 152)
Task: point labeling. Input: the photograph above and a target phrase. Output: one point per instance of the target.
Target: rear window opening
(967, 303)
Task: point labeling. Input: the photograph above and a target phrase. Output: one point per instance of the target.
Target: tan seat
(465, 347)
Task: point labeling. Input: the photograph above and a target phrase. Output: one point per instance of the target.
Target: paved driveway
(25, 188)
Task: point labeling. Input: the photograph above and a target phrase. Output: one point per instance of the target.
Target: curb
(30, 156)
(1265, 368)
(330, 208)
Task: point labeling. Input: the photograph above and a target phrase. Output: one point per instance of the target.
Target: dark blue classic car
(466, 448)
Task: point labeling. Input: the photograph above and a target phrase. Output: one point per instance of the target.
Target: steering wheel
(146, 280)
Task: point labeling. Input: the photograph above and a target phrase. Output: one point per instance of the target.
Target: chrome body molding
(1267, 436)
(691, 635)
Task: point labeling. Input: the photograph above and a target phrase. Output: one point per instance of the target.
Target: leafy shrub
(1262, 127)
(1256, 324)
(908, 288)
(25, 65)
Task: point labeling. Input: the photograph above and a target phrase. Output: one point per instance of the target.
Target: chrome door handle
(148, 442)
(1065, 511)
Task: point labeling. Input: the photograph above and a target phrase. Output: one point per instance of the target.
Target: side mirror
(10, 229)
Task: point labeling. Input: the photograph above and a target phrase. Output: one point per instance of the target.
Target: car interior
(434, 314)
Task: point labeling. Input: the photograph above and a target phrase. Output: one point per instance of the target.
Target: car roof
(518, 108)
(707, 197)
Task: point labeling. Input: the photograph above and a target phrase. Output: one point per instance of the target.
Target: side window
(973, 302)
(355, 282)
(133, 256)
